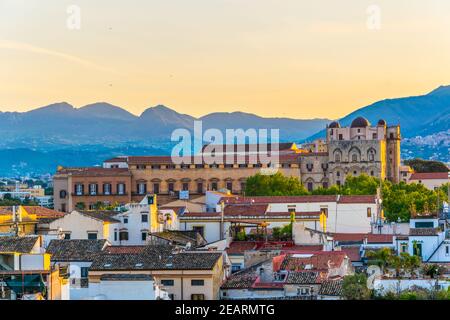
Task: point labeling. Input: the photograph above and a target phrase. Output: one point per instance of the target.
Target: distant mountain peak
(106, 110)
(55, 107)
(442, 90)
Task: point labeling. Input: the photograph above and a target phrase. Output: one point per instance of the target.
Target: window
(235, 267)
(310, 186)
(338, 174)
(404, 247)
(171, 187)
(63, 207)
(424, 224)
(242, 186)
(144, 218)
(214, 186)
(144, 236)
(185, 186)
(156, 188)
(123, 235)
(369, 212)
(84, 272)
(141, 167)
(371, 173)
(417, 249)
(62, 194)
(447, 250)
(199, 229)
(303, 291)
(199, 187)
(125, 220)
(374, 136)
(115, 235)
(121, 188)
(338, 182)
(195, 282)
(354, 158)
(197, 297)
(93, 189)
(142, 188)
(355, 173)
(79, 189)
(341, 137)
(337, 157)
(230, 185)
(92, 235)
(67, 235)
(325, 185)
(167, 283)
(242, 165)
(107, 188)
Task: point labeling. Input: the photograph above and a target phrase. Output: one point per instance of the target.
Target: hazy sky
(293, 58)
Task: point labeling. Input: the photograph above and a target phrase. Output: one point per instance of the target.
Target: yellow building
(22, 222)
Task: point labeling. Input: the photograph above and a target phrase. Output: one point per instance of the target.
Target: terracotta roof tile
(17, 244)
(75, 250)
(429, 176)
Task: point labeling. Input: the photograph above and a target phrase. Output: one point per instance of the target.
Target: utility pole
(222, 227)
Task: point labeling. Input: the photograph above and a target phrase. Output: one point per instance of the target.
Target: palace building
(360, 148)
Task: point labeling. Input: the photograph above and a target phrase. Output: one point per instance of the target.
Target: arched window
(371, 155)
(337, 157)
(123, 235)
(354, 157)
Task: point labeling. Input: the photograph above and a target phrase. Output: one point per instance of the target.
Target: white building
(129, 226)
(76, 257)
(428, 239)
(431, 180)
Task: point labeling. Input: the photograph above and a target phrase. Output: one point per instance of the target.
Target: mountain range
(61, 124)
(37, 140)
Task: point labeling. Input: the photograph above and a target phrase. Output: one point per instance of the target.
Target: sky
(275, 58)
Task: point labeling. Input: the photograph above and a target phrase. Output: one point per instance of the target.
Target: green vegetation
(417, 294)
(354, 287)
(10, 201)
(420, 165)
(386, 258)
(274, 185)
(284, 233)
(399, 200)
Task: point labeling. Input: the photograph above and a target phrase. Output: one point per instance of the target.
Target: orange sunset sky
(280, 58)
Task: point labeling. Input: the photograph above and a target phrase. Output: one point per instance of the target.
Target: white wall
(135, 226)
(123, 290)
(383, 286)
(430, 183)
(78, 225)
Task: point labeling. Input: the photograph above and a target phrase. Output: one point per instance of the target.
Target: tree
(420, 165)
(380, 257)
(274, 185)
(354, 287)
(80, 206)
(433, 270)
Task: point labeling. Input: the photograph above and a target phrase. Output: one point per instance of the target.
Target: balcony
(74, 194)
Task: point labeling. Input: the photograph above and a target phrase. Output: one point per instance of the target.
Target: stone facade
(359, 148)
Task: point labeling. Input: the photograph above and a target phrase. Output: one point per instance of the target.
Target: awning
(25, 284)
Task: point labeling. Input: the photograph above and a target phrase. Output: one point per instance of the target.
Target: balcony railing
(98, 194)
